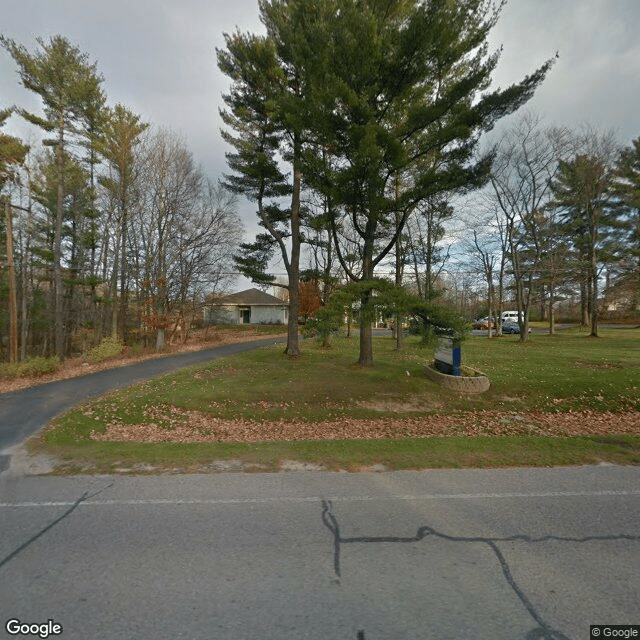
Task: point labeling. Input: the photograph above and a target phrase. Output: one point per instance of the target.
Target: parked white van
(509, 316)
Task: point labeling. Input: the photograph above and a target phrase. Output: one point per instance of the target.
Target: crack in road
(542, 632)
(84, 497)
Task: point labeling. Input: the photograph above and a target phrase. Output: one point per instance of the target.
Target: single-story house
(247, 307)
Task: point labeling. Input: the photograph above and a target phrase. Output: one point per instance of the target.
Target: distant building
(247, 307)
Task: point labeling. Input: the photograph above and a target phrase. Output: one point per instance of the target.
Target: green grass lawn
(565, 372)
(568, 370)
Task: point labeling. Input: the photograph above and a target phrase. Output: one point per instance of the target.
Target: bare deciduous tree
(183, 231)
(526, 161)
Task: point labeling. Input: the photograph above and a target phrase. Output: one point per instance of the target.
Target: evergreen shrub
(108, 348)
(30, 367)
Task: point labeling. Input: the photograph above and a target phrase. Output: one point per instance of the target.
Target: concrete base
(475, 382)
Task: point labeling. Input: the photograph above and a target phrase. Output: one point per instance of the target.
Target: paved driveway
(23, 413)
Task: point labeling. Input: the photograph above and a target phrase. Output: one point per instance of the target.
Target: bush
(108, 348)
(30, 367)
(137, 348)
(432, 320)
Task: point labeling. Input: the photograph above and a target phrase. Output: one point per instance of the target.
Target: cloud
(596, 77)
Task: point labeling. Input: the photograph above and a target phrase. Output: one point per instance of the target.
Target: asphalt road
(24, 413)
(460, 554)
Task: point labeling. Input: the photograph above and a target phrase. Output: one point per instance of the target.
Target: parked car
(484, 323)
(510, 327)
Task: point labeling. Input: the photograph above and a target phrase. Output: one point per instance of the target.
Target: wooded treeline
(108, 226)
(356, 128)
(559, 221)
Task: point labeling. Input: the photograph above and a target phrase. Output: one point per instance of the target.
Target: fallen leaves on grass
(196, 426)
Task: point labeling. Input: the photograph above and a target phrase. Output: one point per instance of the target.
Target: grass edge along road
(567, 376)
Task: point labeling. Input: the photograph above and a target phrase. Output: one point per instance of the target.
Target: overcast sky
(158, 59)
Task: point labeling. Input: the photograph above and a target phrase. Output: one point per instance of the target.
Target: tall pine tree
(627, 188)
(12, 155)
(399, 92)
(120, 136)
(583, 197)
(353, 94)
(68, 85)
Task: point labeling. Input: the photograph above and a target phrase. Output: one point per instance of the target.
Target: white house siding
(248, 307)
(222, 315)
(232, 314)
(267, 315)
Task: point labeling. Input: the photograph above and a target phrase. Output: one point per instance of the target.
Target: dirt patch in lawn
(194, 426)
(392, 405)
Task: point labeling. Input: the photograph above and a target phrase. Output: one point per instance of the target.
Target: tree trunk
(114, 285)
(584, 303)
(24, 314)
(416, 271)
(523, 320)
(11, 275)
(25, 286)
(365, 358)
(122, 303)
(57, 250)
(399, 274)
(293, 345)
(552, 320)
(500, 295)
(492, 311)
(399, 333)
(366, 343)
(594, 291)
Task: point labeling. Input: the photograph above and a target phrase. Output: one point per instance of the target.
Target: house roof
(252, 297)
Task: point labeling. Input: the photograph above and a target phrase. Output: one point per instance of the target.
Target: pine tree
(12, 155)
(627, 188)
(397, 92)
(354, 94)
(68, 85)
(583, 196)
(120, 135)
(261, 111)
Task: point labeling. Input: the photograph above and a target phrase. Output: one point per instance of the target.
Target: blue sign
(448, 357)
